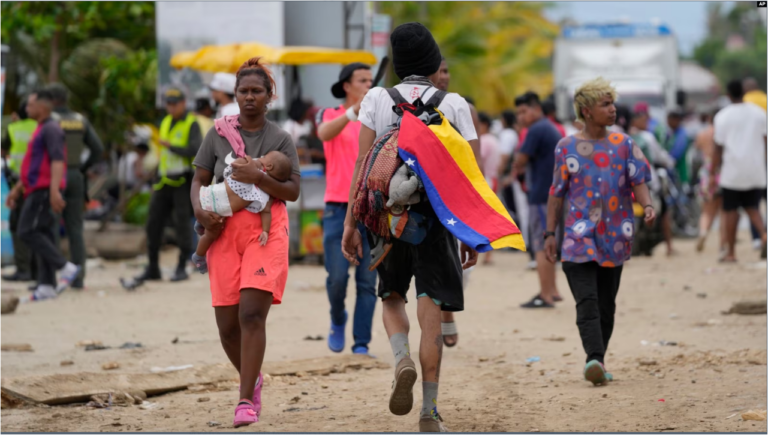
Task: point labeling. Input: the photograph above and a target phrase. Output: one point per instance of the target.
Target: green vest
(20, 132)
(171, 164)
(74, 125)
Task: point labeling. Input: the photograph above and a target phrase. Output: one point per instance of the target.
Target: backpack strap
(395, 95)
(436, 98)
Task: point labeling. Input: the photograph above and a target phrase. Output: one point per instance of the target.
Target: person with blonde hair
(596, 172)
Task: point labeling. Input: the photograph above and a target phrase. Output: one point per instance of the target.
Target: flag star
(410, 162)
(451, 222)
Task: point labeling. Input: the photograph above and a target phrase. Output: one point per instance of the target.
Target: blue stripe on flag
(459, 229)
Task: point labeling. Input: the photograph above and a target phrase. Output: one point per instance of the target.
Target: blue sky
(688, 20)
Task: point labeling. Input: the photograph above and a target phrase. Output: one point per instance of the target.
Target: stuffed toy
(404, 188)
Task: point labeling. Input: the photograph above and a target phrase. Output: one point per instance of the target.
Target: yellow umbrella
(228, 58)
(318, 55)
(248, 50)
(181, 60)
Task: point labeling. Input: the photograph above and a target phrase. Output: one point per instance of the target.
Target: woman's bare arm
(284, 190)
(250, 173)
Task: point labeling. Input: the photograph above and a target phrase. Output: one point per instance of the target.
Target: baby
(226, 199)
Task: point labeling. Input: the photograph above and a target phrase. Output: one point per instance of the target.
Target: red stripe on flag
(457, 192)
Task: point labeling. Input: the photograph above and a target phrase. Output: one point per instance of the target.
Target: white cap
(223, 82)
(141, 135)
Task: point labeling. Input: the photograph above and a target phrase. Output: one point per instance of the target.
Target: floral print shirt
(596, 178)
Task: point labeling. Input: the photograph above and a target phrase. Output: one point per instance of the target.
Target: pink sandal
(257, 394)
(245, 414)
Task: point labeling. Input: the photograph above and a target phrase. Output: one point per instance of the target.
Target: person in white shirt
(448, 323)
(436, 265)
(223, 92)
(739, 159)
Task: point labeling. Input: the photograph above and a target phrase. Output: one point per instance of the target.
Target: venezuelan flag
(456, 189)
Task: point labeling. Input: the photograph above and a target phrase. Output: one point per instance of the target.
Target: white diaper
(214, 198)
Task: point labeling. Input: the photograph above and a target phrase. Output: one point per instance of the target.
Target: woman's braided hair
(253, 66)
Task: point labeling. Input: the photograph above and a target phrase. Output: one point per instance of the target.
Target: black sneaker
(17, 277)
(537, 302)
(149, 275)
(180, 275)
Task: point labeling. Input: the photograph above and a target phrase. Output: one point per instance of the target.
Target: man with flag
(436, 262)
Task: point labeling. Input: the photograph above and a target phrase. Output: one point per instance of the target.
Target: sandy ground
(717, 369)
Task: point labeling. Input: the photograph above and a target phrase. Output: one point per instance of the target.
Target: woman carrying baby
(246, 276)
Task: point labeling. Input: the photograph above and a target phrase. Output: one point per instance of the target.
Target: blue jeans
(338, 275)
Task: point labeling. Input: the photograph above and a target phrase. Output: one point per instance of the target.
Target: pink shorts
(237, 261)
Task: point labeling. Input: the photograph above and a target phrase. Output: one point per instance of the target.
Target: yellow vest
(172, 164)
(20, 132)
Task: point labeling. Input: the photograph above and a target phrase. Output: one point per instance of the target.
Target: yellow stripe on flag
(462, 154)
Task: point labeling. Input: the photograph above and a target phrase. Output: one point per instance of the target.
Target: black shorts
(746, 199)
(434, 263)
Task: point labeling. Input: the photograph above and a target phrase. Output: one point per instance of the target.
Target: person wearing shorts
(448, 321)
(435, 263)
(246, 277)
(739, 160)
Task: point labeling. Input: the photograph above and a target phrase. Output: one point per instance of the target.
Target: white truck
(641, 61)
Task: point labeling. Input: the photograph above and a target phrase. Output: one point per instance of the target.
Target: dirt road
(716, 369)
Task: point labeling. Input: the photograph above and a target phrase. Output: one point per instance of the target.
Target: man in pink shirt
(339, 130)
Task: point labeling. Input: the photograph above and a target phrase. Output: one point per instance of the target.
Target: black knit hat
(414, 51)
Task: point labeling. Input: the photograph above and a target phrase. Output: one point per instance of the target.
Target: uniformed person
(14, 147)
(79, 136)
(180, 138)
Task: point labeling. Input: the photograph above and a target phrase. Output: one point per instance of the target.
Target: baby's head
(277, 165)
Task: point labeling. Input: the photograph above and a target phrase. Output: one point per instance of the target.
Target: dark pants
(36, 230)
(166, 202)
(338, 275)
(594, 288)
(22, 256)
(74, 195)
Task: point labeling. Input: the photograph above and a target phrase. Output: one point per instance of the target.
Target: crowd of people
(571, 188)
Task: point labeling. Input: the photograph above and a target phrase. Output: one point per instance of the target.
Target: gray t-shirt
(215, 148)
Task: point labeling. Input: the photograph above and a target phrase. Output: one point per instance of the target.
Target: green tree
(126, 92)
(82, 44)
(742, 20)
(495, 50)
(57, 28)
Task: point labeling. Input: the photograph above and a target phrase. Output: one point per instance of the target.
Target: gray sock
(429, 402)
(400, 348)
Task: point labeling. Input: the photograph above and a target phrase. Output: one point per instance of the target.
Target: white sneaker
(757, 244)
(67, 275)
(532, 265)
(43, 292)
